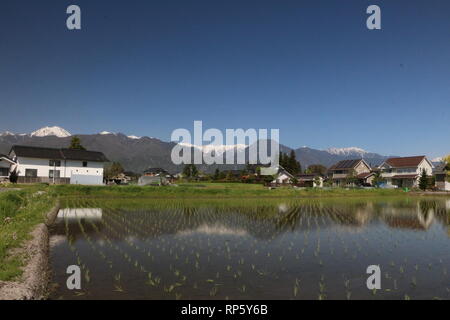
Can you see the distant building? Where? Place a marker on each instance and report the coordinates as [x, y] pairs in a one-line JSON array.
[[404, 172], [343, 171], [440, 174], [310, 180], [281, 176], [156, 176], [60, 166]]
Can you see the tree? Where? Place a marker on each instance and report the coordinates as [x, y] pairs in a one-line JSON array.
[[378, 179], [190, 171], [113, 170], [423, 180], [194, 171], [290, 163], [268, 179], [216, 175], [352, 179], [13, 176], [316, 169], [75, 143], [447, 166], [294, 165]]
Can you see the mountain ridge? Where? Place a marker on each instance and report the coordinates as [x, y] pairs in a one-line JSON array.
[[138, 153]]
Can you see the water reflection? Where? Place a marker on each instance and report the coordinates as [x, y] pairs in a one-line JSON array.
[[80, 213], [276, 250], [265, 222]]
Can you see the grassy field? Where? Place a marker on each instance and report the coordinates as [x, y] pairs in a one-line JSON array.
[[20, 212], [216, 191]]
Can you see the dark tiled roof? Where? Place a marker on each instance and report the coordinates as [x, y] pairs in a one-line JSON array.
[[84, 155], [346, 164], [364, 175], [58, 154], [405, 176], [155, 170], [405, 161], [307, 177]]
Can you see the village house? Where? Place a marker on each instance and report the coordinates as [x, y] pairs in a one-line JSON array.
[[281, 175], [155, 176], [158, 172], [440, 174], [310, 180], [57, 165], [405, 172], [347, 172]]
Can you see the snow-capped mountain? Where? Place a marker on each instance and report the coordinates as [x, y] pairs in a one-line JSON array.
[[6, 133], [347, 151], [134, 137], [51, 131], [218, 149]]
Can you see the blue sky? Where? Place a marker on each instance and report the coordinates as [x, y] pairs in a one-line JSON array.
[[310, 68]]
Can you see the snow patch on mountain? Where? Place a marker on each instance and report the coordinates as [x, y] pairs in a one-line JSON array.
[[219, 149], [105, 133], [6, 133], [347, 151], [51, 131], [134, 137], [438, 159]]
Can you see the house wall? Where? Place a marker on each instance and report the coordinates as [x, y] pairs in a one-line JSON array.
[[361, 168], [283, 178]]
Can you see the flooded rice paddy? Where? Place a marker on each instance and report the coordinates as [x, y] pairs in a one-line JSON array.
[[253, 249]]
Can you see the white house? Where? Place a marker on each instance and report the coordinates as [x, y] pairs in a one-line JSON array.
[[405, 172], [64, 166], [279, 173]]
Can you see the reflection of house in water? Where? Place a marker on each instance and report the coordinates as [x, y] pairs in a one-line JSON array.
[[419, 216], [80, 213]]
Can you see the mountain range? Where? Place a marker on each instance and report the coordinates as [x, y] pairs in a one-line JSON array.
[[138, 153]]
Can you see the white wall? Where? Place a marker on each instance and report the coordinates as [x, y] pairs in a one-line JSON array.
[[66, 169]]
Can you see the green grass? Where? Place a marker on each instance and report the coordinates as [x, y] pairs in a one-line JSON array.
[[20, 212], [215, 190]]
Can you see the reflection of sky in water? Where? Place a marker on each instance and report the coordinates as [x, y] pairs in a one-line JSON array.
[[216, 229], [264, 248]]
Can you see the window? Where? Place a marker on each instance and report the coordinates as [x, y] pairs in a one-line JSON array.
[[31, 173], [85, 164], [54, 173], [54, 163], [4, 172]]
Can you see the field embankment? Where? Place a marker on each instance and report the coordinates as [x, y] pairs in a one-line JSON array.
[[24, 242]]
